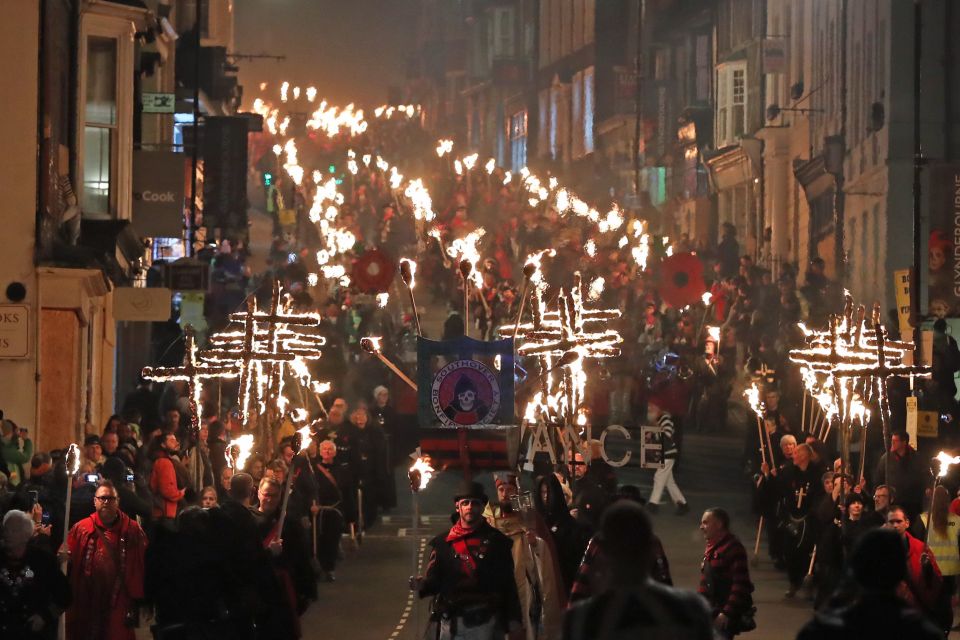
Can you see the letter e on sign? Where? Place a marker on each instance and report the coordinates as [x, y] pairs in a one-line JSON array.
[[14, 331]]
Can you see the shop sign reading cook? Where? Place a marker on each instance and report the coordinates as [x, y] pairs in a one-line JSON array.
[[14, 331]]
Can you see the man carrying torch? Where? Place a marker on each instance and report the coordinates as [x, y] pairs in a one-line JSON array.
[[470, 575]]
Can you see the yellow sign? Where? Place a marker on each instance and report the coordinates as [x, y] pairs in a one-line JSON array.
[[901, 285], [928, 425]]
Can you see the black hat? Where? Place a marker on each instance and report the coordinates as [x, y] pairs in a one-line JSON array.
[[464, 384], [91, 439], [470, 490]]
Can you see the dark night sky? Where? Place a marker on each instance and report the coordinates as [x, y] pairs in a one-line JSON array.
[[351, 50]]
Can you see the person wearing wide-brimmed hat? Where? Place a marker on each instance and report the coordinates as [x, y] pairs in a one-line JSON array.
[[470, 576]]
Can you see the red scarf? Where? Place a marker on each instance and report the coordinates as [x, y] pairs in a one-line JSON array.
[[467, 546]]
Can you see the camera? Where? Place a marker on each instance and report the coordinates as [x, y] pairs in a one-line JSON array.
[[92, 478]]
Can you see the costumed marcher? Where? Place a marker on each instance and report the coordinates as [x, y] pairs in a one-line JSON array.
[[536, 571], [797, 488], [663, 477], [106, 570], [471, 577], [570, 536], [332, 503], [288, 551]]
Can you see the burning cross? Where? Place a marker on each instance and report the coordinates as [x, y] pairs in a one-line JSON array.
[[193, 372], [564, 330], [268, 340]]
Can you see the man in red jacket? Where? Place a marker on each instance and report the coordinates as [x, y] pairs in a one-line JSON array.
[[106, 554], [921, 587], [163, 481]]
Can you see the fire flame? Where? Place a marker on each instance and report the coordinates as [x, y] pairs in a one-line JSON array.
[[243, 446], [753, 399], [946, 461], [425, 470]]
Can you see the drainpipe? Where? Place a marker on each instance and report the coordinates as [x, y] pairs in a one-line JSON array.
[[915, 296]]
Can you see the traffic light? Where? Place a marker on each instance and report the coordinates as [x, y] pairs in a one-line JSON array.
[[267, 178]]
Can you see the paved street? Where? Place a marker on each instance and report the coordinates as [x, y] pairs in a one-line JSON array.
[[370, 602]]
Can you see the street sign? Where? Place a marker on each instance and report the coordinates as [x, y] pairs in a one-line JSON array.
[[14, 331], [187, 276], [139, 304], [158, 187], [157, 102]]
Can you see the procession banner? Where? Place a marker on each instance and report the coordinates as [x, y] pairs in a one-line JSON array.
[[465, 402]]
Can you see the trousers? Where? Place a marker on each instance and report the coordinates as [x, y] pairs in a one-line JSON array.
[[663, 479], [483, 631]]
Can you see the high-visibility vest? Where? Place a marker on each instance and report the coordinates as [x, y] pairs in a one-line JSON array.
[[944, 548]]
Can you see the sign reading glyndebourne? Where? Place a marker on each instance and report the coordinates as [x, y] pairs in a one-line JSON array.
[[158, 185], [14, 331]]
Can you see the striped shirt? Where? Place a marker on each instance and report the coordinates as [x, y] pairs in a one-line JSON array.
[[725, 577], [667, 439]]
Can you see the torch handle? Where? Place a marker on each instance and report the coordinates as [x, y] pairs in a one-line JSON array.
[[523, 300], [286, 499], [763, 456], [396, 370], [416, 312], [66, 515]]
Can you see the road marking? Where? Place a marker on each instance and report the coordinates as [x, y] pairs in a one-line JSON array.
[[411, 602]]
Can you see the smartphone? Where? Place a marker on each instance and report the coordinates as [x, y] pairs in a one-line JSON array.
[[92, 477], [129, 477], [45, 518], [34, 497]]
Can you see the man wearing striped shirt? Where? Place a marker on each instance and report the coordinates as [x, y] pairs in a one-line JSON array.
[[663, 477], [725, 576]]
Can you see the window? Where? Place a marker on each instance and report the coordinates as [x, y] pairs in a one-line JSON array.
[[100, 126], [576, 113], [543, 126], [731, 102], [588, 110], [105, 116], [501, 35], [518, 141], [555, 97], [703, 69], [578, 27]]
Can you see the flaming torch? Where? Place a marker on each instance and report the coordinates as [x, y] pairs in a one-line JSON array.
[[408, 272], [946, 461], [238, 451], [371, 344], [466, 268], [753, 398], [72, 463], [299, 444], [419, 476]]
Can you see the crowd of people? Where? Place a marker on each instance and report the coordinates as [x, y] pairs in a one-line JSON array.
[[160, 520]]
